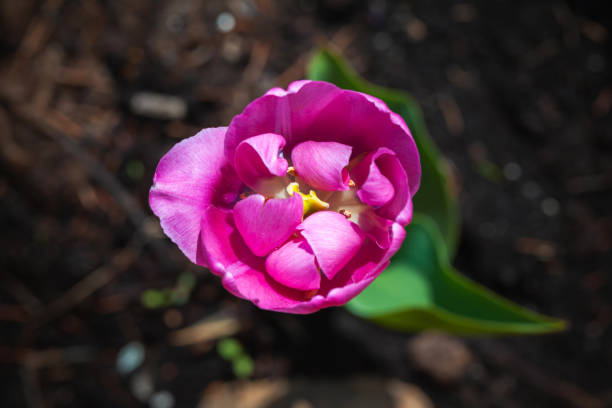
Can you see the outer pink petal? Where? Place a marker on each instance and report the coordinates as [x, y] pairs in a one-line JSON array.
[[265, 225], [249, 282], [405, 216], [257, 158], [333, 239], [286, 113], [252, 283], [190, 177], [369, 262], [312, 110], [293, 265], [221, 243], [322, 164]]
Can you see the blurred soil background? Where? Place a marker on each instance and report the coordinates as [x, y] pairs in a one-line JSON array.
[[98, 309]]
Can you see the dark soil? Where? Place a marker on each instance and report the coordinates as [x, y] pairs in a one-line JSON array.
[[517, 95]]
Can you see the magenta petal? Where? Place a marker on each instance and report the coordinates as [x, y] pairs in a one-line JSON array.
[[252, 283], [371, 170], [293, 265], [405, 216], [257, 158], [322, 164], [373, 187], [265, 225], [376, 227], [221, 242], [190, 177], [363, 122], [333, 239], [286, 113], [313, 110], [390, 166]]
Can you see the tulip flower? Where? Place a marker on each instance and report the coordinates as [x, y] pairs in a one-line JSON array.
[[300, 203]]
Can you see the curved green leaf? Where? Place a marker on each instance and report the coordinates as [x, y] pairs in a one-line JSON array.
[[421, 290], [434, 197]]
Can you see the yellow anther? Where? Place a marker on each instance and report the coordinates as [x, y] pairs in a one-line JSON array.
[[293, 188], [351, 183], [311, 202], [291, 171]]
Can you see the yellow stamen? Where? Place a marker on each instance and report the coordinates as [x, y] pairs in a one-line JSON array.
[[291, 171], [351, 183], [311, 202]]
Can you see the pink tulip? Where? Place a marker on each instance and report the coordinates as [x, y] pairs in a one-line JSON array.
[[300, 203]]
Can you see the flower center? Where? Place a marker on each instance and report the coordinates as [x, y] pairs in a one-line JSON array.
[[311, 202]]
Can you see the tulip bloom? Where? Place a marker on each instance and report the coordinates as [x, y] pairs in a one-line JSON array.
[[300, 203]]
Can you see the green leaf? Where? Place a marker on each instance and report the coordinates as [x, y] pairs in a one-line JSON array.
[[434, 197], [421, 290]]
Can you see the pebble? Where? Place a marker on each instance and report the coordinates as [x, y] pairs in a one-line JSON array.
[[550, 206], [512, 171], [142, 386], [130, 357], [158, 106], [225, 22], [531, 190], [162, 399], [444, 358]]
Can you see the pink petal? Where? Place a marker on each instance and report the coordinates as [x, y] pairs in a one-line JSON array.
[[221, 243], [362, 269], [265, 225], [373, 187], [252, 283], [383, 164], [322, 164], [366, 124], [286, 113], [257, 158], [392, 169], [405, 216], [293, 265], [333, 239], [365, 265], [249, 282], [312, 110], [376, 227], [190, 177]]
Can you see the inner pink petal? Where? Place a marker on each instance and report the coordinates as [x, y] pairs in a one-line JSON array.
[[373, 187], [266, 224], [323, 164], [333, 239], [257, 159], [376, 227], [293, 265], [381, 168], [393, 170]]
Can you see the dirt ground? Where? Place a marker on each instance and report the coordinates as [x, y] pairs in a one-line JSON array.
[[517, 95]]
